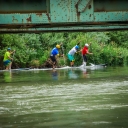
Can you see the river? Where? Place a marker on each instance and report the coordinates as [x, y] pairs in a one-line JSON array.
[[64, 98]]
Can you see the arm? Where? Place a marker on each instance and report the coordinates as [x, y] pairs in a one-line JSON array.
[[8, 56], [58, 55], [89, 53], [12, 52]]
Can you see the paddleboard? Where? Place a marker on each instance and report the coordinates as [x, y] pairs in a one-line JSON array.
[[92, 66]]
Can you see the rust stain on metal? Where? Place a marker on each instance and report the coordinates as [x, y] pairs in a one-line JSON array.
[[89, 7], [49, 18], [77, 12], [14, 20], [29, 19], [39, 14]]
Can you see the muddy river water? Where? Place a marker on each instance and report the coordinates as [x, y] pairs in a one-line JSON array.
[[64, 98]]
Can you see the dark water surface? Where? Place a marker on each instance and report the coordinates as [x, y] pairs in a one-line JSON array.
[[64, 98]]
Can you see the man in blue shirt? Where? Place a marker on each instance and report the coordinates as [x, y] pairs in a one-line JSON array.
[[54, 54]]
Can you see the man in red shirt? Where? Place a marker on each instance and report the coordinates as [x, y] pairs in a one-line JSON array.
[[85, 51]]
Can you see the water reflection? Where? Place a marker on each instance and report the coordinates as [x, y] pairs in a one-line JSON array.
[[97, 102], [72, 74], [7, 76], [85, 73], [54, 74]]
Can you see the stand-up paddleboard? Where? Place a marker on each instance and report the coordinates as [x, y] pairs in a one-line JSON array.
[[34, 69], [92, 66], [18, 69]]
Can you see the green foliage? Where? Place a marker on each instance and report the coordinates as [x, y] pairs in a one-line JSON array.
[[34, 49], [61, 61], [119, 37], [45, 56], [35, 63]]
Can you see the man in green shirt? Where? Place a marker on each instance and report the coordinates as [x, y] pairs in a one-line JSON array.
[[7, 59]]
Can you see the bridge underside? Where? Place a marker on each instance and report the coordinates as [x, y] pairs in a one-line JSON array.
[[62, 15]]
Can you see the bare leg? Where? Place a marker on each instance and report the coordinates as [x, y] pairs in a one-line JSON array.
[[7, 67], [71, 63], [84, 64], [54, 65], [10, 65]]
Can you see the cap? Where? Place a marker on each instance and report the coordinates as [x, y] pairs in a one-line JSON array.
[[77, 47], [86, 45], [57, 46], [9, 49]]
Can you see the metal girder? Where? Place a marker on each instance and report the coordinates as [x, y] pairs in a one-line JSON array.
[[65, 29], [48, 15]]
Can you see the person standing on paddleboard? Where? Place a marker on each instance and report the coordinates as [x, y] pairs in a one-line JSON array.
[[8, 59], [71, 55], [54, 55], [85, 51]]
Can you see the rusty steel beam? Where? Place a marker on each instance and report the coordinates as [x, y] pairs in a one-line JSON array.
[[64, 29], [42, 14]]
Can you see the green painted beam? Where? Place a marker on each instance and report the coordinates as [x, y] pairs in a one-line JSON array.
[[60, 13], [65, 29]]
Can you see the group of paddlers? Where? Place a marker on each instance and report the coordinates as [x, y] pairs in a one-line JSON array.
[[54, 54], [76, 49]]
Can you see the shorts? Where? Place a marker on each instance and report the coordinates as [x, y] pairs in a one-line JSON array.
[[6, 62], [71, 57], [53, 58]]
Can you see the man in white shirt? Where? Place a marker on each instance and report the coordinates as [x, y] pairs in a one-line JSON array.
[[71, 55]]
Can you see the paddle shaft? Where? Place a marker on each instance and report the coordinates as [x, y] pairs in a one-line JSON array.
[[63, 53]]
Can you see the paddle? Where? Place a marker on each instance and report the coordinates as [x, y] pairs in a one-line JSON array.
[[12, 57], [93, 56], [13, 54], [63, 52]]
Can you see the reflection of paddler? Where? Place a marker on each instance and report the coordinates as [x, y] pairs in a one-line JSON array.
[[85, 74], [72, 74], [8, 76], [54, 74]]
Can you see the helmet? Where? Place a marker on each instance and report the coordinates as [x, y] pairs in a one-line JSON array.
[[57, 46], [76, 47], [86, 45], [9, 49]]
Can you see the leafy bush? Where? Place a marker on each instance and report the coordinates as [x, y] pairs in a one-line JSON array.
[[34, 49], [34, 63]]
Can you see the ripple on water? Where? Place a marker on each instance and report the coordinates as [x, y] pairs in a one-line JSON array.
[[64, 97]]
